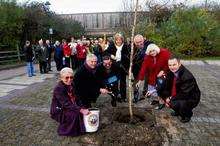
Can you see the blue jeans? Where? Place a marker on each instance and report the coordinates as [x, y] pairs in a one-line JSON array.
[[30, 69]]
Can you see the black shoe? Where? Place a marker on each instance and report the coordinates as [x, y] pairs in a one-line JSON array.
[[142, 98], [148, 96], [174, 114], [113, 103], [144, 93], [123, 100], [119, 100], [159, 107], [135, 100], [185, 119], [154, 102]]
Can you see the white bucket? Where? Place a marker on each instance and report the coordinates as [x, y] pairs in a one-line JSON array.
[[91, 121]]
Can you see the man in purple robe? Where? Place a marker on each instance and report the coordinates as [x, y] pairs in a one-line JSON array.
[[66, 108]]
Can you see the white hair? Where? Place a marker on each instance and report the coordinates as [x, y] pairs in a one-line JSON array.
[[57, 43], [40, 41], [66, 70], [90, 57], [152, 47], [138, 36]]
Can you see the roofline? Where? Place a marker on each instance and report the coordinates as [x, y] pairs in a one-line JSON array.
[[101, 13]]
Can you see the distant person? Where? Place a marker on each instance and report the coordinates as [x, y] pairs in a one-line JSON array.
[[73, 55], [50, 51], [66, 107], [42, 56], [66, 53], [81, 53], [181, 91], [87, 82], [29, 57], [58, 55], [97, 50]]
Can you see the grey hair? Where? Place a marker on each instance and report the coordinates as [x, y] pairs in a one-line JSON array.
[[152, 47], [90, 56], [66, 70], [138, 36], [40, 41]]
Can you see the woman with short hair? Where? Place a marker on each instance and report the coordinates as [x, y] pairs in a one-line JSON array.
[[155, 65], [66, 108], [120, 54]]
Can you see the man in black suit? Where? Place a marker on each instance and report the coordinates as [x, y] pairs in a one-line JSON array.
[[181, 92]]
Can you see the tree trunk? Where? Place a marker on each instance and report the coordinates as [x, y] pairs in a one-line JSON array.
[[130, 87]]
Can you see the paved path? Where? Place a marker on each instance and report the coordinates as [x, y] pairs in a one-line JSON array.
[[204, 128], [16, 78]]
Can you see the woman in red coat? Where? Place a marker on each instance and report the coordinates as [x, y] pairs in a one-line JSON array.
[[155, 65], [66, 53], [81, 53]]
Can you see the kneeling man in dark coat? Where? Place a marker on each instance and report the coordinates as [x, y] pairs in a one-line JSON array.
[[66, 108], [87, 82], [181, 91], [109, 73]]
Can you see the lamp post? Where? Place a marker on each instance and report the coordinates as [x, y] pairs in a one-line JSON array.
[[50, 33], [47, 4]]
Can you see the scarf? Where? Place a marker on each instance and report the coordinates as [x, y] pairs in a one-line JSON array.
[[118, 52], [70, 93]]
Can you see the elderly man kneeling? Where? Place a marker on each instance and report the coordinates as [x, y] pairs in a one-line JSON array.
[[66, 108]]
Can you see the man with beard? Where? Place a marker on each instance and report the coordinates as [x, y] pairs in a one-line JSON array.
[[109, 73]]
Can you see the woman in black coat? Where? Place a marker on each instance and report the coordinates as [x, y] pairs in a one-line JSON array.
[[120, 54], [66, 108], [181, 91]]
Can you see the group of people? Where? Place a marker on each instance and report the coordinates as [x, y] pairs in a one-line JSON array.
[[41, 52], [73, 53], [166, 81]]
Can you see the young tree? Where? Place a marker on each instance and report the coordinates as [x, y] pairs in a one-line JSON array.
[[130, 97]]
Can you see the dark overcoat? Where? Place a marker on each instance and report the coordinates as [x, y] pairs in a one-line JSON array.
[[187, 89], [87, 85], [125, 55]]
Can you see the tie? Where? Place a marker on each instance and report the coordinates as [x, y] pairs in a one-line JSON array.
[[173, 93]]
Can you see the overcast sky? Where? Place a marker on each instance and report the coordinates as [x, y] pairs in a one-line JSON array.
[[89, 6]]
